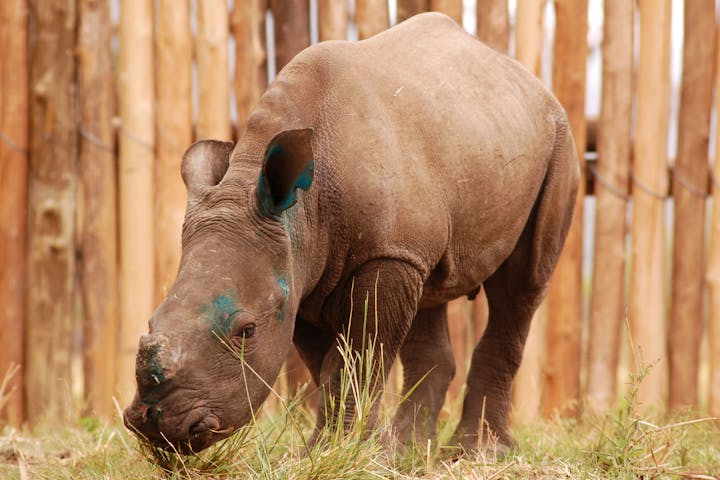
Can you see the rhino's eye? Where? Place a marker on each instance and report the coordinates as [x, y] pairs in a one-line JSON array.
[[247, 331]]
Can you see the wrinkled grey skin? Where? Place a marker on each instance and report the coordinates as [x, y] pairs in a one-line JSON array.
[[419, 161]]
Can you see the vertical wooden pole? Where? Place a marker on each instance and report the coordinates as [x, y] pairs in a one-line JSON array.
[[213, 70], [250, 81], [137, 142], [371, 17], [14, 123], [408, 8], [53, 182], [529, 33], [690, 181], [98, 222], [459, 324], [292, 29], [713, 264], [173, 87], [528, 384], [493, 24], [333, 19], [649, 180], [292, 34], [451, 8], [607, 304], [562, 382]]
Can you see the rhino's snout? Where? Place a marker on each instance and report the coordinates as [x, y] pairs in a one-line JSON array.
[[157, 361]]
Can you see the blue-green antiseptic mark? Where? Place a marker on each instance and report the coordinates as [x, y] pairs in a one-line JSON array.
[[154, 368], [282, 283], [271, 203], [219, 314]]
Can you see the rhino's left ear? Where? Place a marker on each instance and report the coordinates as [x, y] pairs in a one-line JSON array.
[[287, 166]]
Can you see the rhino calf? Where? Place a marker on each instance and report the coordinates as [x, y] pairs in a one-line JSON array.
[[419, 165]]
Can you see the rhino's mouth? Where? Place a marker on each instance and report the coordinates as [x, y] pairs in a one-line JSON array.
[[196, 430]]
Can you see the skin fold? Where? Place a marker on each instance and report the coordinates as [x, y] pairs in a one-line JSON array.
[[416, 166]]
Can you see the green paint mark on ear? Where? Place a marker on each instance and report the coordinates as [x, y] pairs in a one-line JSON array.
[[219, 314]]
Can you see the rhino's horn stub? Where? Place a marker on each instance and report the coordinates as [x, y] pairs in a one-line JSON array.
[[156, 361]]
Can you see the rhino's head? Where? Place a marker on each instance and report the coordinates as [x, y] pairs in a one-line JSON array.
[[218, 340]]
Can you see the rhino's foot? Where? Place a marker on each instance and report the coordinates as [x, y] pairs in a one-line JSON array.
[[491, 448]]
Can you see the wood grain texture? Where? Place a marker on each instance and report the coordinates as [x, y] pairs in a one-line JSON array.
[[647, 283], [451, 8], [371, 17], [213, 67], [292, 29], [250, 78], [713, 266], [136, 179], [173, 60], [607, 303], [14, 125], [529, 33], [51, 223], [564, 326], [98, 219], [408, 8], [528, 383], [493, 24], [690, 181], [333, 19]]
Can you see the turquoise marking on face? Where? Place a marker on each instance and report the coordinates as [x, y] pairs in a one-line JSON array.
[[282, 283], [219, 314]]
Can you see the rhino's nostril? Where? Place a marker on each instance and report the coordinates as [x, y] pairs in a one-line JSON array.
[[207, 424]]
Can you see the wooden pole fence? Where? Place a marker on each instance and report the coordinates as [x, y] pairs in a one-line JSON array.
[[647, 283], [14, 125], [607, 307], [690, 179], [136, 178], [51, 321], [564, 327], [98, 204]]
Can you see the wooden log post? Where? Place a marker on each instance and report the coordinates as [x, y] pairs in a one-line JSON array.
[[213, 66], [649, 180], [51, 224], [529, 33], [459, 313], [14, 123], [371, 17], [607, 304], [98, 219], [528, 384], [173, 60], [408, 8], [690, 179], [451, 8], [292, 34], [713, 266], [564, 327], [250, 79], [493, 24], [333, 19], [136, 201]]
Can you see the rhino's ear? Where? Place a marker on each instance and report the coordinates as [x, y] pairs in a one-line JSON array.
[[204, 164], [287, 166]]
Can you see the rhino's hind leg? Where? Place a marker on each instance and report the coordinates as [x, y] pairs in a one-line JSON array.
[[428, 368], [514, 292], [398, 286], [495, 360]]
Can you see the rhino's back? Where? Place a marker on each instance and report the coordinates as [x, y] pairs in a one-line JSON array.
[[437, 143]]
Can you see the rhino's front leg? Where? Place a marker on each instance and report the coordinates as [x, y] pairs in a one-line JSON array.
[[395, 287]]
